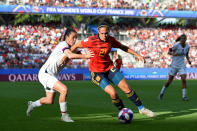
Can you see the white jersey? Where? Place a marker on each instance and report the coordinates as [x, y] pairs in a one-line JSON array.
[[52, 65], [179, 61]]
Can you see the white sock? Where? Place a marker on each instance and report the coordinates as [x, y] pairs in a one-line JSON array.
[[184, 91], [163, 90], [63, 107], [36, 103]]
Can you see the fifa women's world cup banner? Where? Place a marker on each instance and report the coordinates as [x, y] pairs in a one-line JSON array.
[[17, 75], [95, 11]]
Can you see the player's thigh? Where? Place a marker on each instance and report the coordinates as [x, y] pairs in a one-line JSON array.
[[100, 79], [60, 87], [170, 78], [115, 76], [48, 81]]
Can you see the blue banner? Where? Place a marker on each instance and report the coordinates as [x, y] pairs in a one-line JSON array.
[[154, 73], [84, 74], [96, 11]]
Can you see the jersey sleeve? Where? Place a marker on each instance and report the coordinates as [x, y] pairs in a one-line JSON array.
[[77, 51], [115, 43], [174, 47], [63, 46], [86, 43]]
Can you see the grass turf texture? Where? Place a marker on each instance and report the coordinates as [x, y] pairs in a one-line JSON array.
[[92, 109]]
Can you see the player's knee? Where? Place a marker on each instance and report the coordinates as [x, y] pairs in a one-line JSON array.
[[125, 87], [169, 81], [64, 91], [113, 95], [184, 80]]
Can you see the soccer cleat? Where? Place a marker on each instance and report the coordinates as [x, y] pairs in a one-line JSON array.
[[146, 112], [30, 108], [66, 118], [160, 96], [185, 99]]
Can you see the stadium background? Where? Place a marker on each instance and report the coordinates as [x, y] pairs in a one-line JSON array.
[[30, 29]]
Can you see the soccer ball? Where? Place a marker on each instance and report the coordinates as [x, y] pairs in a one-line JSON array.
[[125, 115]]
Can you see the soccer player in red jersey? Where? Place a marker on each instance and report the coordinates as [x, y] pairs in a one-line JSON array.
[[103, 71]]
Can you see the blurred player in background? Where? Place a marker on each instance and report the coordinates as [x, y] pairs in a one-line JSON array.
[[179, 51], [49, 72], [118, 62], [103, 71]]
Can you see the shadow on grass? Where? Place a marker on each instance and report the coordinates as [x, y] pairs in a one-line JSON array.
[[175, 114]]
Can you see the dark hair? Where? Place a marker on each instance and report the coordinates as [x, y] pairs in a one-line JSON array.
[[67, 32], [103, 24], [179, 38]]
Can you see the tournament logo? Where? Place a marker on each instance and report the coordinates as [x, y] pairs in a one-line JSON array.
[[22, 9], [35, 9]]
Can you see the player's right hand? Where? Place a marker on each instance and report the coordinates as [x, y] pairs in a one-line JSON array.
[[63, 60]]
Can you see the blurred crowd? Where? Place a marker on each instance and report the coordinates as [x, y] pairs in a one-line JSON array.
[[28, 46], [154, 44], [128, 4]]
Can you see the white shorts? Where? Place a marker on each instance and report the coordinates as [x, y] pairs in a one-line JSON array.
[[174, 71], [47, 80]]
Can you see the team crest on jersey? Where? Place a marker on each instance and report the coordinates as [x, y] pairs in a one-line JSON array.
[[98, 78]]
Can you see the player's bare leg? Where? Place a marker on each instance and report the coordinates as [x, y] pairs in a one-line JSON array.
[[163, 89], [114, 96], [134, 98], [184, 88], [42, 101], [62, 89]]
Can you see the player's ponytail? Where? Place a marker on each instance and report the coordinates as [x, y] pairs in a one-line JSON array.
[[179, 38], [67, 32]]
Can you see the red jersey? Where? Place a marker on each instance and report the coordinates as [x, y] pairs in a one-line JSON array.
[[101, 61]]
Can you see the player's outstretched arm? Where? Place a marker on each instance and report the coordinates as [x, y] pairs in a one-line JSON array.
[[72, 55], [130, 51], [75, 46]]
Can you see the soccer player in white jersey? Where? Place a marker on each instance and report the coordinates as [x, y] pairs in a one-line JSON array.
[[179, 51], [49, 71]]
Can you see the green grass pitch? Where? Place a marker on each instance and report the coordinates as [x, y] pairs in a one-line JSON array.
[[92, 109]]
